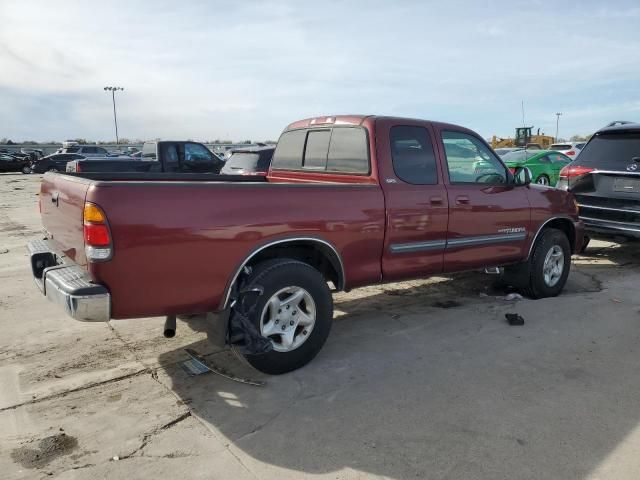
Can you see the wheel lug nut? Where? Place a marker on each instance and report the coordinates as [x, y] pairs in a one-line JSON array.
[[279, 311], [304, 332], [293, 312], [288, 306], [283, 327], [277, 321], [291, 323]]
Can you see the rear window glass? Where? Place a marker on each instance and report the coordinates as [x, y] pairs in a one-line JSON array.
[[348, 151], [519, 155], [315, 153], [341, 149], [560, 147], [611, 151], [288, 154], [248, 162]]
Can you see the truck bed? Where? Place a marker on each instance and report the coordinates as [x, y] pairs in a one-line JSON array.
[[198, 228]]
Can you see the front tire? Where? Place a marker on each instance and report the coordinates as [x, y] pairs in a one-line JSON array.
[[548, 265], [26, 169], [295, 311]]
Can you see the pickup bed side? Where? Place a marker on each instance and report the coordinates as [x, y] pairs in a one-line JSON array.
[[184, 263]]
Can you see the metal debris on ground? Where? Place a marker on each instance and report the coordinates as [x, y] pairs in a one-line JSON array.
[[514, 319], [202, 363], [513, 296]]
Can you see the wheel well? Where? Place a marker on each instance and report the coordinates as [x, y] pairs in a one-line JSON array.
[[319, 255], [565, 226]]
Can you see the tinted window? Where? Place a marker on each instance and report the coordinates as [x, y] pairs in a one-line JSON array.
[[611, 151], [72, 149], [348, 151], [100, 150], [89, 150], [413, 156], [288, 154], [560, 147], [194, 152], [248, 162], [315, 153], [470, 161], [544, 159]]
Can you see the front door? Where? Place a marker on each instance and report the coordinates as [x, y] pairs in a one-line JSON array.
[[488, 215], [415, 198]]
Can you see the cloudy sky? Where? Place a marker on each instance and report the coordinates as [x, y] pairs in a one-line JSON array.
[[243, 69]]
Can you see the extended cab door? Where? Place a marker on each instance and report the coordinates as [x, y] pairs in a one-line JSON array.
[[415, 199], [488, 215]]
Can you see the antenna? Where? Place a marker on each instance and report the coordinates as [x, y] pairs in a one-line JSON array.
[[523, 124]]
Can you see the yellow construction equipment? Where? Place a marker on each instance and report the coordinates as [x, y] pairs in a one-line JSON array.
[[523, 139]]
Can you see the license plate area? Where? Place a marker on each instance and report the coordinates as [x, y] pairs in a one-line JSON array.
[[628, 185]]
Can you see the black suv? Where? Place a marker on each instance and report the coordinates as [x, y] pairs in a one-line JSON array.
[[605, 179]]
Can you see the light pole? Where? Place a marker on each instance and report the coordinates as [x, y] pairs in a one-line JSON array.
[[557, 123], [113, 98]]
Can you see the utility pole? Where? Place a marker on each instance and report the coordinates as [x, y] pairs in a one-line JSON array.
[[113, 98], [557, 123]]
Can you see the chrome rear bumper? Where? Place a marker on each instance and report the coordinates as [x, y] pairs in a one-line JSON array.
[[68, 285]]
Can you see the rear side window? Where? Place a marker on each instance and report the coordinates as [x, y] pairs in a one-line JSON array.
[[611, 151], [72, 149], [339, 150], [315, 153], [414, 160]]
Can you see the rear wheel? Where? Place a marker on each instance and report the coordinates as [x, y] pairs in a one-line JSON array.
[[543, 180], [26, 169], [53, 169], [295, 312]]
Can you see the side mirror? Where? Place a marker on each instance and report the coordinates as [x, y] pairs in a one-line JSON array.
[[522, 176]]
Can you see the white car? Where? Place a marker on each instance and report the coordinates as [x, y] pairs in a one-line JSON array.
[[570, 149]]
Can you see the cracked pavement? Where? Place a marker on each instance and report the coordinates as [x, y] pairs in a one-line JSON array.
[[421, 379]]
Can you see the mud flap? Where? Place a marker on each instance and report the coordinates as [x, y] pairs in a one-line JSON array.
[[242, 333]]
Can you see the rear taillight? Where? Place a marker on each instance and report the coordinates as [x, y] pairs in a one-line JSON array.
[[571, 171], [570, 153], [77, 169], [97, 236]]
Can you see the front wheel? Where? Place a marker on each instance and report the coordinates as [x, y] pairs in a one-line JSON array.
[[26, 169], [295, 312], [548, 265]]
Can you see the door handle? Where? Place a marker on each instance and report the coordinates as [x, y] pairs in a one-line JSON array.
[[435, 200], [462, 200]]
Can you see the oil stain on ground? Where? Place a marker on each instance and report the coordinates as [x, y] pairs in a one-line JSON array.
[[48, 449]]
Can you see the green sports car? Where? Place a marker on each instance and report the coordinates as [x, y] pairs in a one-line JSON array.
[[544, 165]]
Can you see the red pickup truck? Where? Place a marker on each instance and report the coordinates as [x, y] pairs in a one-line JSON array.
[[349, 201]]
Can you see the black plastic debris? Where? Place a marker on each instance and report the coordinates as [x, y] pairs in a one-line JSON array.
[[514, 319], [243, 334]]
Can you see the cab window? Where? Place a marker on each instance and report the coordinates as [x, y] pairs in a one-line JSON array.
[[469, 160], [414, 160], [194, 152]]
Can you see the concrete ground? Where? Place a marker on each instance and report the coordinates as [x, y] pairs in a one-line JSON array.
[[418, 380]]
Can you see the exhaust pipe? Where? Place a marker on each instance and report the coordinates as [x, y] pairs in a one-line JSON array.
[[170, 326]]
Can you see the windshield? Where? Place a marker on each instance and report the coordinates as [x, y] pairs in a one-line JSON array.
[[611, 151]]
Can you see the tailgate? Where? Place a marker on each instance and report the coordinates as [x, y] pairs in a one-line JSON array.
[[610, 196], [61, 205]]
